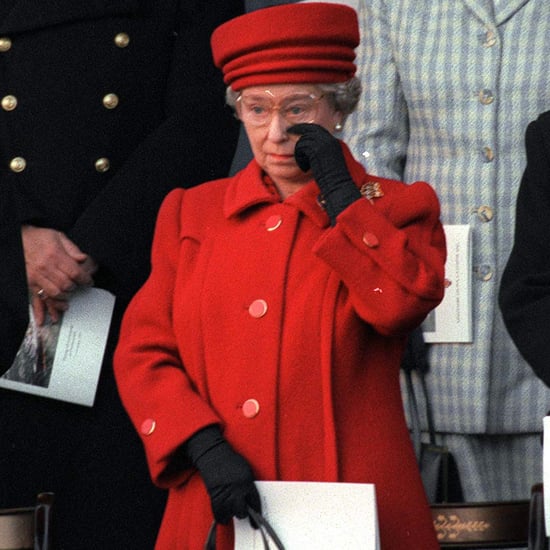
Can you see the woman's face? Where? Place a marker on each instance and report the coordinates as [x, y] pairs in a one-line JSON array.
[[267, 112]]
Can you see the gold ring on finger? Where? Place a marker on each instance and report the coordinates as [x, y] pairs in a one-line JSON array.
[[42, 294]]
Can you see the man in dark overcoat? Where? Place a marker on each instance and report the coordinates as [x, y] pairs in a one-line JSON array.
[[105, 106]]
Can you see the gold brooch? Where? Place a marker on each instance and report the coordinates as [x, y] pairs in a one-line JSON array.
[[371, 190]]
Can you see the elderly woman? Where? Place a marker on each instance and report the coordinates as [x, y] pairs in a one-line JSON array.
[[266, 343]]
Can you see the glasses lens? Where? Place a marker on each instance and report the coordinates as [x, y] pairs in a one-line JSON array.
[[294, 110], [256, 111], [298, 110]]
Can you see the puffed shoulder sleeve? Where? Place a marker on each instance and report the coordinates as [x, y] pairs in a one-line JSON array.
[[390, 254], [151, 378]]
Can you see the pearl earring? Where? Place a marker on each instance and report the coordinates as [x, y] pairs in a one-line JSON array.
[[338, 127]]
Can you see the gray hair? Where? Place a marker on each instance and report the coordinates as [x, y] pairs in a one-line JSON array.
[[342, 96]]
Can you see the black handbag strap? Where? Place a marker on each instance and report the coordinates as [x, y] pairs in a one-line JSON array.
[[414, 411], [414, 415], [416, 359], [267, 532], [429, 411]]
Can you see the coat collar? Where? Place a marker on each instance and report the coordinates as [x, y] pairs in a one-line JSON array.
[[485, 10], [28, 15], [247, 189]]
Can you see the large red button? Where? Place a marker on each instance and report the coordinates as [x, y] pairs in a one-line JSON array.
[[258, 308], [371, 240], [251, 408], [273, 222], [148, 426]]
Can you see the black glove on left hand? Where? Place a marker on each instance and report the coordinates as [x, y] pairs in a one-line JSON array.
[[319, 150]]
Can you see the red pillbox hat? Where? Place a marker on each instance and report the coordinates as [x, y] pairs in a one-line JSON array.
[[292, 43]]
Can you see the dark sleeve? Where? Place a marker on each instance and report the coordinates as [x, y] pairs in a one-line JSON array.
[[13, 299], [195, 143], [525, 287]]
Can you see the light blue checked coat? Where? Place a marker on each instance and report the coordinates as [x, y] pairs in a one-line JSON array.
[[449, 88]]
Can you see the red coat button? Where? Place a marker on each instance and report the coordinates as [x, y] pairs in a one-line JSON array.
[[251, 408], [371, 240], [273, 222], [258, 308], [148, 426]]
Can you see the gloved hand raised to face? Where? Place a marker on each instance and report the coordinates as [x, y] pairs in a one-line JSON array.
[[318, 150], [227, 475]]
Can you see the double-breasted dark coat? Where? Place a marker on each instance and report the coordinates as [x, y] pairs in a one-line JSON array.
[[105, 106]]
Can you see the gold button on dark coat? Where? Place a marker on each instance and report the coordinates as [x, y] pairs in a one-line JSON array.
[[9, 102], [110, 101], [5, 44], [18, 164], [122, 40], [102, 165]]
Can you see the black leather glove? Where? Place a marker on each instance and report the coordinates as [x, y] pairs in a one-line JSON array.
[[226, 474], [319, 150]]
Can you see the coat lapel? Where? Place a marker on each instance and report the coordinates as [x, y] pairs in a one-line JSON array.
[[508, 9], [27, 15]]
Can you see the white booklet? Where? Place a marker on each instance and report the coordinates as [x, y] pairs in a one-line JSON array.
[[63, 360], [451, 320], [316, 515], [546, 470]]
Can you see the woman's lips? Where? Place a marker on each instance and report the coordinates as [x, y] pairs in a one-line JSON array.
[[281, 157]]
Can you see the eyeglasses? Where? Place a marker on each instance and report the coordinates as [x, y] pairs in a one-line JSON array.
[[258, 111]]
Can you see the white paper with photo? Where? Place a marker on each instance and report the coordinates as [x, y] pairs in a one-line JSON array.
[[451, 320], [63, 360], [316, 515]]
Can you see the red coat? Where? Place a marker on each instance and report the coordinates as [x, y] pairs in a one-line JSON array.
[[261, 317]]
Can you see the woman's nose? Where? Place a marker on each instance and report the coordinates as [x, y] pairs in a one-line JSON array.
[[277, 127]]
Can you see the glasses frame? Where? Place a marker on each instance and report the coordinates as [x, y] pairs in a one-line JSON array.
[[245, 115]]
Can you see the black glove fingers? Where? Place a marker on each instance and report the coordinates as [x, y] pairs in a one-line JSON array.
[[228, 502], [227, 476], [317, 149], [253, 500], [240, 505], [220, 500]]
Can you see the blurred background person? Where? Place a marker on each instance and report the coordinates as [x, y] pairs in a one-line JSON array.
[[449, 88], [525, 286]]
